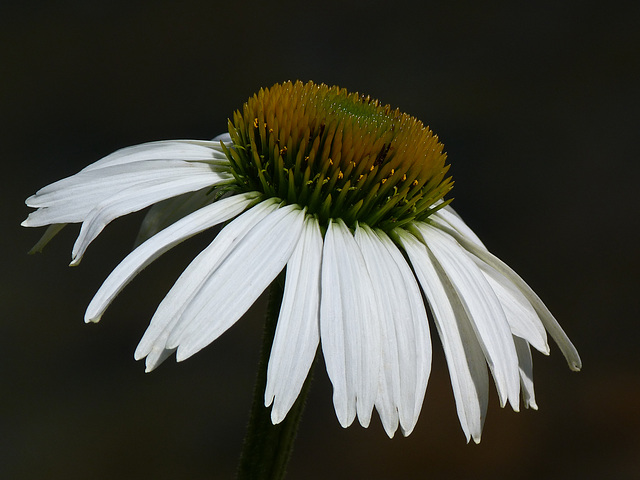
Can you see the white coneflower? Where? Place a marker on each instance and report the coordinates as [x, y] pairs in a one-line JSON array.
[[348, 196]]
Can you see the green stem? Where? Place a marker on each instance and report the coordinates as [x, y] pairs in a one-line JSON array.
[[267, 447]]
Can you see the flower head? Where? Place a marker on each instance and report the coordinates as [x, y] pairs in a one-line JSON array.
[[347, 195]]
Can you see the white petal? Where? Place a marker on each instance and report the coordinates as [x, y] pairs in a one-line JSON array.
[[483, 309], [128, 201], [186, 150], [553, 327], [297, 331], [166, 212], [388, 398], [451, 218], [238, 281], [88, 183], [168, 238], [526, 373], [170, 309], [406, 344], [348, 326], [523, 319], [466, 360], [70, 200]]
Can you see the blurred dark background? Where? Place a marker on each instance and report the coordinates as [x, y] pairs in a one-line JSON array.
[[537, 104]]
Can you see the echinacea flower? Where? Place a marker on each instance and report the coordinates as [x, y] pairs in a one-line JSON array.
[[347, 195]]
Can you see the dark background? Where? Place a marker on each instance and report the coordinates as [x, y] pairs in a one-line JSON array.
[[536, 103]]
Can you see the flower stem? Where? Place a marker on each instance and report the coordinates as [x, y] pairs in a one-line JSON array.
[[267, 447]]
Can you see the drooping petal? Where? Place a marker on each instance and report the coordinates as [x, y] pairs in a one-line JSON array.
[[483, 309], [166, 212], [449, 216], [548, 320], [526, 373], [466, 360], [238, 281], [160, 243], [388, 397], [522, 318], [183, 150], [71, 199], [189, 283], [87, 185], [349, 326], [298, 329], [406, 343], [128, 201]]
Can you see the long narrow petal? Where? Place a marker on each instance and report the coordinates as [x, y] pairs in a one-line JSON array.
[[526, 373], [166, 212], [89, 184], [128, 201], [522, 318], [406, 342], [450, 217], [483, 309], [413, 333], [70, 200], [187, 150], [298, 329], [466, 360], [349, 326], [548, 320], [388, 398], [238, 281], [168, 313], [153, 248]]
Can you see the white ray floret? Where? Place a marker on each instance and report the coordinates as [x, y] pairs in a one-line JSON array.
[[349, 326], [232, 287], [483, 310], [297, 332], [169, 312], [466, 360], [406, 343], [546, 317], [160, 243]]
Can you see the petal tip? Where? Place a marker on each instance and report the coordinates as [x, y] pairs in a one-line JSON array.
[[93, 319], [75, 261]]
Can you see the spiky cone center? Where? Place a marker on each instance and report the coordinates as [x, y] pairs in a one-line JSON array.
[[339, 154]]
